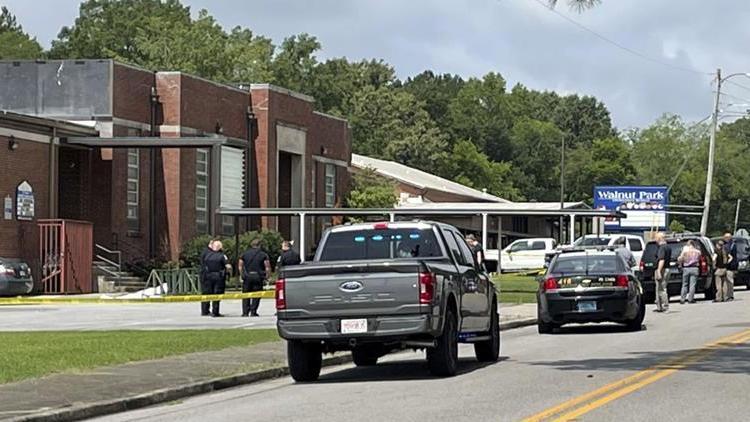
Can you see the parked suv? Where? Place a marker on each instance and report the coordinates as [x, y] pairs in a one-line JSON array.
[[675, 243]]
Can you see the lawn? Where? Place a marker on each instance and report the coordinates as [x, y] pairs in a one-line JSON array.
[[35, 354], [517, 288]]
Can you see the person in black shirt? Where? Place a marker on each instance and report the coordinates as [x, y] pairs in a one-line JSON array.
[[722, 260], [476, 249], [661, 274], [215, 269], [255, 266], [205, 289], [288, 255], [732, 265]]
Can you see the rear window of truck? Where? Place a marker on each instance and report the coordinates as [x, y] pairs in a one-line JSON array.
[[391, 243]]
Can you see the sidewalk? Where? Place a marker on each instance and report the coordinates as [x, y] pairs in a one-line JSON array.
[[119, 388]]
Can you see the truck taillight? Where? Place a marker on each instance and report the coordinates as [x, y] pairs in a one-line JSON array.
[[621, 280], [550, 283], [280, 294], [426, 288], [703, 265]]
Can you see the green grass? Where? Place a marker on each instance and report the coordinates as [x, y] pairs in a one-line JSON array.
[[35, 354], [517, 288]]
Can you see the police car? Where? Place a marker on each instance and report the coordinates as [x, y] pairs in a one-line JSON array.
[[585, 285]]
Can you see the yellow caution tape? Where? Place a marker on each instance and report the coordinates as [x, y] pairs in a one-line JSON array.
[[41, 300]]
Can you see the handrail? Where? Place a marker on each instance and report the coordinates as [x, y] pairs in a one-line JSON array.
[[116, 264]]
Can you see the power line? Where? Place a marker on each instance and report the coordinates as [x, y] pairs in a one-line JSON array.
[[618, 45], [688, 154], [734, 96], [737, 85]]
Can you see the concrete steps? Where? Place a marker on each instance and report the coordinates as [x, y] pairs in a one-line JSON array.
[[113, 281]]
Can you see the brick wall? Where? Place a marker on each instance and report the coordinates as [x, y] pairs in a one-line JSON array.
[[19, 239]]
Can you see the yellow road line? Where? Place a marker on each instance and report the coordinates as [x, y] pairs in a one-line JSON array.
[[36, 300], [619, 388]]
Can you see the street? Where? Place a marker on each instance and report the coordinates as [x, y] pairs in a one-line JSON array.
[[593, 372]]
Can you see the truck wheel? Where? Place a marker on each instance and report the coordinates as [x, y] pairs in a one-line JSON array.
[[544, 327], [364, 357], [489, 350], [443, 359], [636, 324], [305, 360]]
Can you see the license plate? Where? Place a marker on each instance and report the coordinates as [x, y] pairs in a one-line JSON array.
[[353, 326], [586, 306]]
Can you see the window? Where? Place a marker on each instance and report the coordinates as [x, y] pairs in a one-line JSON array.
[[133, 189], [635, 245], [465, 251], [232, 184], [201, 191], [330, 185], [519, 246], [453, 246], [388, 244], [538, 245]]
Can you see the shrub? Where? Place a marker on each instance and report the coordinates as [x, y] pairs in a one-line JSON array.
[[270, 241]]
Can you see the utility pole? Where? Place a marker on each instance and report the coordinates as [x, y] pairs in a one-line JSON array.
[[562, 187], [737, 215], [711, 148]]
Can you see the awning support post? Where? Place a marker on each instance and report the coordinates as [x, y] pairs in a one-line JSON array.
[[499, 243], [572, 228], [484, 232], [302, 250]]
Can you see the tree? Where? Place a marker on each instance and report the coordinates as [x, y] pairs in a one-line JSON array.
[[14, 43], [391, 124], [480, 114], [578, 5], [436, 92], [251, 57], [110, 28], [469, 166], [535, 147], [607, 162], [370, 190], [336, 81], [295, 63]]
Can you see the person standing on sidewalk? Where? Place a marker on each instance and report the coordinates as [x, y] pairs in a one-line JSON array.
[[720, 276], [661, 275], [732, 265], [216, 267], [689, 259], [255, 266], [288, 255], [205, 290], [621, 248]]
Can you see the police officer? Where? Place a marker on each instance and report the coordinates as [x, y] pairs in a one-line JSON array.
[[288, 255], [205, 306], [215, 269], [255, 266]]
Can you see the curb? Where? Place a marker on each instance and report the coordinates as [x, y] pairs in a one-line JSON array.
[[108, 407]]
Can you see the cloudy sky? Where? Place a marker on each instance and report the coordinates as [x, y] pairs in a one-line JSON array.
[[682, 42]]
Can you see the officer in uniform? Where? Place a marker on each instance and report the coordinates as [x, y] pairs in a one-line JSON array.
[[205, 306], [288, 255], [215, 269], [255, 266]]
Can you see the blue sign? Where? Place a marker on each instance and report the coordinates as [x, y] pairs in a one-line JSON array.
[[645, 207]]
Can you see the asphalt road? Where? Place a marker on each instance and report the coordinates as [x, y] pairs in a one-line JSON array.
[[675, 370]]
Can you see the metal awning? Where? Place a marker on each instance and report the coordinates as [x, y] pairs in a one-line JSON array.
[[421, 211], [147, 142], [484, 211]]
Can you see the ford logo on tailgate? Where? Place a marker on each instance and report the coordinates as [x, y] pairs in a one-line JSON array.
[[351, 286]]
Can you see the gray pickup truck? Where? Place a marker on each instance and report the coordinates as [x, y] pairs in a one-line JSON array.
[[375, 288]]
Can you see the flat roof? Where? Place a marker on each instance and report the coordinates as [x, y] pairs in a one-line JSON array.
[[496, 206], [458, 209], [420, 179], [25, 122], [147, 142]]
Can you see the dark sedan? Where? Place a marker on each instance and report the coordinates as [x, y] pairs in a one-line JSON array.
[[589, 286], [15, 278]]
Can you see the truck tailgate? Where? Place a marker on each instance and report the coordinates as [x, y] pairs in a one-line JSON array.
[[351, 289]]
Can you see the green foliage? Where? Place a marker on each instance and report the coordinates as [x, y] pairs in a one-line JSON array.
[[295, 63], [436, 92], [192, 249], [370, 190], [675, 226], [536, 159], [469, 166], [14, 43]]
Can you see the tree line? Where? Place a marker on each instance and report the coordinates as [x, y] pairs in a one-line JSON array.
[[477, 131]]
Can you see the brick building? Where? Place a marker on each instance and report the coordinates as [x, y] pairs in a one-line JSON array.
[[206, 145]]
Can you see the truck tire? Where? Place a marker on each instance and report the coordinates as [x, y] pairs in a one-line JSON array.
[[364, 357], [443, 359], [305, 360], [544, 327], [489, 350]]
